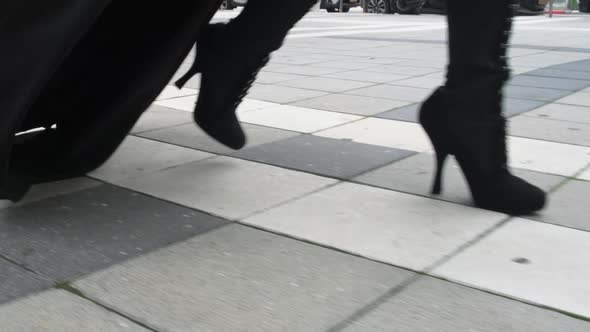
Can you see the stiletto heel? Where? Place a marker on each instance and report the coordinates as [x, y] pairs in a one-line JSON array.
[[194, 70], [441, 157]]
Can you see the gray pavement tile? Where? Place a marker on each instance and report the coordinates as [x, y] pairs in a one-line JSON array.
[[550, 130], [67, 236], [193, 83], [58, 310], [420, 82], [18, 282], [298, 119], [228, 187], [368, 76], [528, 260], [568, 206], [138, 156], [549, 82], [325, 84], [344, 103], [533, 93], [158, 117], [293, 60], [547, 157], [585, 175], [240, 279], [402, 93], [347, 65], [513, 106], [562, 112], [303, 70], [436, 63], [394, 134], [407, 113], [51, 189], [281, 94], [582, 65], [403, 70], [193, 137], [434, 305], [548, 72], [323, 156], [415, 174], [384, 225], [579, 98], [267, 77], [171, 92]]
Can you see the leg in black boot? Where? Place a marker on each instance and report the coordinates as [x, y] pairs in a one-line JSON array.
[[464, 117], [229, 57]]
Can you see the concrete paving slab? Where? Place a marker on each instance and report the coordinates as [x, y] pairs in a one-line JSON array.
[[394, 134], [325, 84], [18, 282], [159, 117], [227, 187], [192, 137], [568, 206], [71, 235], [400, 229], [58, 310], [299, 119], [550, 130], [535, 262], [540, 156], [139, 156], [323, 156], [579, 98], [562, 112], [352, 104], [435, 305], [240, 279]]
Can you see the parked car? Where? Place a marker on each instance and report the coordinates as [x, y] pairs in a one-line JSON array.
[[525, 7], [395, 6], [531, 7], [333, 6], [584, 6], [232, 4]]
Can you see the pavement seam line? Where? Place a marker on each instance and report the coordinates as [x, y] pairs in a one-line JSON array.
[[66, 286], [396, 290], [362, 312], [25, 267]]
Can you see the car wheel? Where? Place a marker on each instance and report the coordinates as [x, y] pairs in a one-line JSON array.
[[225, 5], [378, 7], [409, 6], [345, 9], [437, 4], [331, 10]]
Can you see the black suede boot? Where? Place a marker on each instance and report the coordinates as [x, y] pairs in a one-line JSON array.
[[464, 117], [229, 56]]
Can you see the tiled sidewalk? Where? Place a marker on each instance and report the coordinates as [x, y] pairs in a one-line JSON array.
[[324, 221]]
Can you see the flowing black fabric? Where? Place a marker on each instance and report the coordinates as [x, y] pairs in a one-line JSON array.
[[87, 68]]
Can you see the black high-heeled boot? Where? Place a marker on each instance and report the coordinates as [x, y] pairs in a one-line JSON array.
[[464, 117], [227, 75], [229, 56]]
